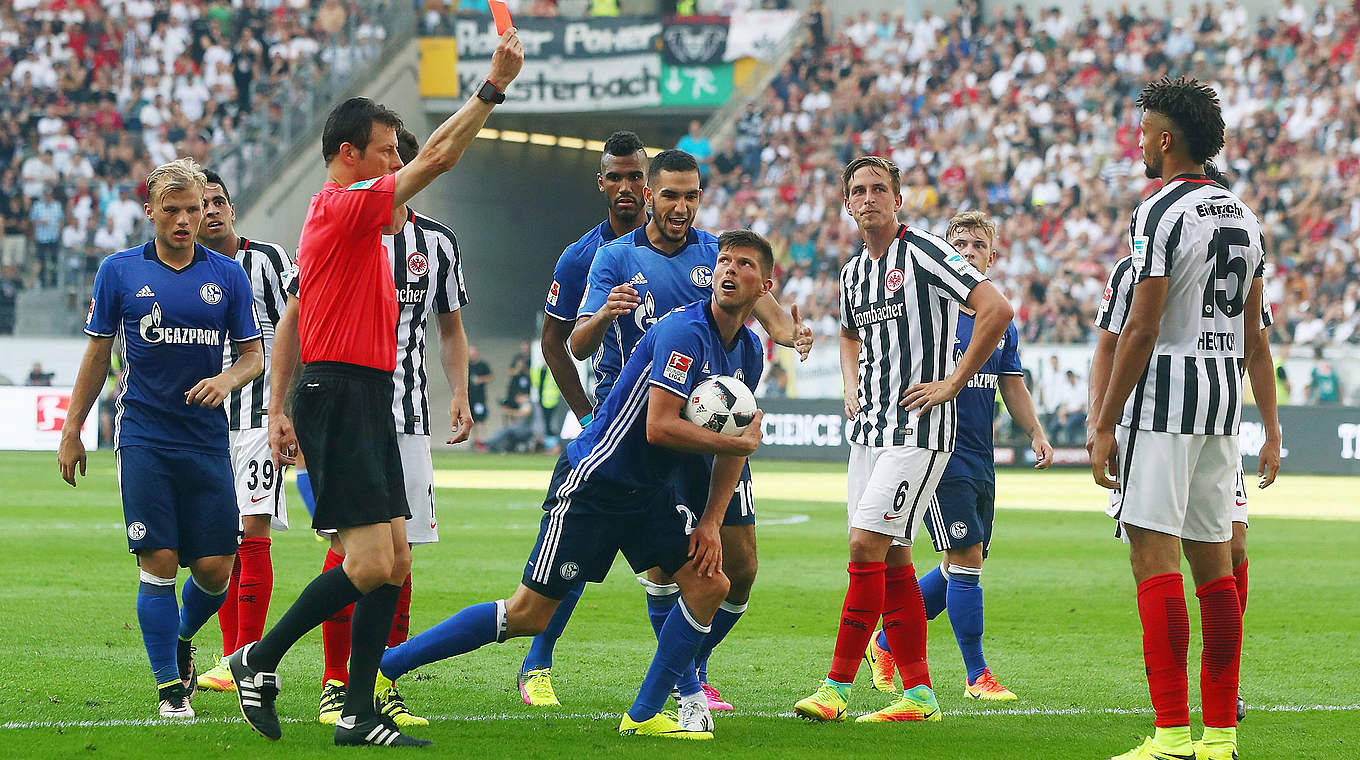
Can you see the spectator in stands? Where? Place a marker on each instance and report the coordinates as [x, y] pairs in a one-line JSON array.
[[479, 377], [1069, 422], [695, 144], [47, 216], [36, 375], [1324, 386]]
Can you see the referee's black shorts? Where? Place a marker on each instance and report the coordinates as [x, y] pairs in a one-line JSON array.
[[343, 417]]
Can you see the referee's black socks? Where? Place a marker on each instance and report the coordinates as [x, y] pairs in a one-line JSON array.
[[369, 626], [326, 595]]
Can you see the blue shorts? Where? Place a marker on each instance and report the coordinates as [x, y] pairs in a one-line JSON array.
[[181, 500], [585, 524], [961, 514], [691, 488]]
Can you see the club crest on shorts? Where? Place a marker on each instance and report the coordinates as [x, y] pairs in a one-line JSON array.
[[893, 281], [958, 530], [211, 293], [136, 531], [569, 570], [417, 264], [701, 276]]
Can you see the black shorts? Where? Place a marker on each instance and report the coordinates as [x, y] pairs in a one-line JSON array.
[[691, 489], [343, 416], [961, 514], [586, 524], [479, 413]]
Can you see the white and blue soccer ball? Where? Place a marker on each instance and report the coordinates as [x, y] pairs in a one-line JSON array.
[[722, 404]]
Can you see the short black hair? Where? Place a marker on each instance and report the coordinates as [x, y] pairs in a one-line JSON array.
[[1193, 108], [216, 179], [752, 240], [407, 145], [352, 122], [622, 143], [672, 161]]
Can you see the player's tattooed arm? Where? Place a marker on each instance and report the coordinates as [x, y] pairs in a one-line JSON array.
[[850, 346], [94, 371], [1131, 356], [666, 426], [590, 329], [212, 391], [1021, 406], [784, 326]]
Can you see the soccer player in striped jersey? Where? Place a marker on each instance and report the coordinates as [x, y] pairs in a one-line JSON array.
[[900, 300], [1175, 393], [959, 518], [259, 484], [1114, 309], [428, 271], [622, 177], [615, 489]]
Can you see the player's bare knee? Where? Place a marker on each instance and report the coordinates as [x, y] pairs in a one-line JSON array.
[[1239, 544], [868, 547], [162, 563], [213, 573], [401, 565], [368, 570], [659, 577], [255, 526], [741, 575], [968, 556], [528, 612]]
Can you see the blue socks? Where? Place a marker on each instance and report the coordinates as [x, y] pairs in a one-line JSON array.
[[675, 647], [304, 486], [199, 605], [473, 627], [723, 620], [965, 616], [661, 602], [158, 617], [541, 648], [933, 586]]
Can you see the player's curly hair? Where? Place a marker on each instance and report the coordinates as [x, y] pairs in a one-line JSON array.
[[1194, 109], [622, 143], [1217, 175]]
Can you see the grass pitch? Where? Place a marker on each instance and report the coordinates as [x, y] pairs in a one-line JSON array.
[[1062, 630]]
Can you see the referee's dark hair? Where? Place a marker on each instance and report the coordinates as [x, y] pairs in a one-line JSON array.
[[752, 240], [216, 179], [1193, 109], [672, 161], [352, 122], [877, 162], [407, 145], [622, 143]]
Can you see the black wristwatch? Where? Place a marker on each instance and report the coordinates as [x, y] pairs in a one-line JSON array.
[[490, 93]]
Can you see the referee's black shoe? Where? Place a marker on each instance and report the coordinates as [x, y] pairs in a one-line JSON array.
[[372, 730], [256, 691]]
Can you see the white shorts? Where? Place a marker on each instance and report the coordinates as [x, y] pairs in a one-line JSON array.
[[259, 485], [890, 487], [1179, 484], [418, 470]]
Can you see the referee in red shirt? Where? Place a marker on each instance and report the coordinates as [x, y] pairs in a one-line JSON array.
[[343, 407]]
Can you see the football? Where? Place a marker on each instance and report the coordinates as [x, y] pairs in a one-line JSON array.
[[722, 404]]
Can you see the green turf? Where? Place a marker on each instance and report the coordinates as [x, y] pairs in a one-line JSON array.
[[1062, 632]]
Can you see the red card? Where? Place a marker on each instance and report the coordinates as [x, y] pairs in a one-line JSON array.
[[501, 12]]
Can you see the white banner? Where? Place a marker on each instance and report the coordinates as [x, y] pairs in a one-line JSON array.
[[567, 86], [757, 34], [31, 418]]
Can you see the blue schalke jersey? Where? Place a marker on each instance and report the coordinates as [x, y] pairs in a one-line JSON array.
[[664, 281], [174, 325], [974, 457], [568, 287], [678, 353]]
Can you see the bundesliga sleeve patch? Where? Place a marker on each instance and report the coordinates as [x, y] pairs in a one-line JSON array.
[[677, 367], [553, 292], [363, 184]]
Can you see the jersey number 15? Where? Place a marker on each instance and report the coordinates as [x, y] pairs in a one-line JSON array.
[[1228, 298]]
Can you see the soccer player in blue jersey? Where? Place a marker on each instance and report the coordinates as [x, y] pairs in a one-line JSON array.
[[959, 518], [633, 282], [173, 304], [614, 492], [622, 177]]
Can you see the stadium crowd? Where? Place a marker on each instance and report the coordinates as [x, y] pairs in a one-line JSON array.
[[93, 93], [1029, 117]]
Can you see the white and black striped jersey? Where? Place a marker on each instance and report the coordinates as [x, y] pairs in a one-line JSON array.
[[428, 271], [1208, 244], [904, 305], [1114, 305], [266, 265]]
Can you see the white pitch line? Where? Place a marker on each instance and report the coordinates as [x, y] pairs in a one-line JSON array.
[[1029, 711]]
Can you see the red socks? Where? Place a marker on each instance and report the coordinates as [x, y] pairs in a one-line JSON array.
[[1221, 624], [335, 633], [904, 623], [859, 615], [1240, 580], [226, 614], [1166, 637], [256, 586], [401, 622]]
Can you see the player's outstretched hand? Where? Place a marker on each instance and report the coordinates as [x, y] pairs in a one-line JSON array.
[[1043, 453], [1103, 462], [507, 60], [802, 336], [705, 549], [622, 299], [923, 396], [70, 456], [210, 391], [750, 438], [460, 417], [1269, 466], [282, 440]]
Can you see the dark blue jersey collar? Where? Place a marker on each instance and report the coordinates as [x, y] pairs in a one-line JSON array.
[[640, 240], [149, 253]]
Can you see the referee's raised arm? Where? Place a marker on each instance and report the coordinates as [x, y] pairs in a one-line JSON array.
[[450, 139]]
